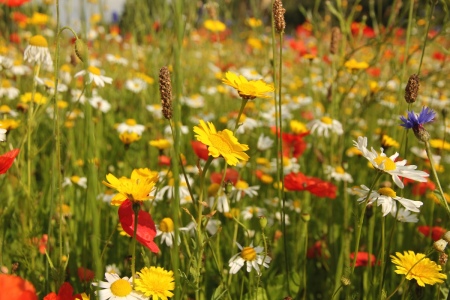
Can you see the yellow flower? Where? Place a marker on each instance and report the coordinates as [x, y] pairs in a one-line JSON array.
[[298, 127], [129, 137], [136, 188], [253, 22], [9, 124], [38, 98], [248, 89], [38, 19], [156, 283], [254, 43], [161, 144], [214, 25], [221, 143], [352, 64], [418, 267], [439, 144]]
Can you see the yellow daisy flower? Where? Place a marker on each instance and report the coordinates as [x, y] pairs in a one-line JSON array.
[[418, 267], [248, 89], [221, 143], [214, 26], [136, 188], [352, 65], [155, 282]]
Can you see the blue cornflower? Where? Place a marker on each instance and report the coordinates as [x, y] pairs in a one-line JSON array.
[[416, 122], [413, 121]]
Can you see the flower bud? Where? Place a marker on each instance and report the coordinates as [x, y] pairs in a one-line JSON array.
[[440, 245], [446, 236], [262, 222], [305, 217]]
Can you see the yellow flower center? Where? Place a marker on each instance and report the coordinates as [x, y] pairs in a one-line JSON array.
[[6, 83], [241, 185], [389, 165], [248, 254], [339, 170], [121, 288], [387, 192], [38, 41], [5, 109], [326, 120], [166, 225], [220, 143], [75, 179], [94, 70], [130, 122]]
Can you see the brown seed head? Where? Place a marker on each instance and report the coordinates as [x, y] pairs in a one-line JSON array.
[[412, 88], [165, 89], [335, 39], [278, 16]]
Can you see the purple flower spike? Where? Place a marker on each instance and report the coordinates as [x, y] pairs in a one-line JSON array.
[[416, 121]]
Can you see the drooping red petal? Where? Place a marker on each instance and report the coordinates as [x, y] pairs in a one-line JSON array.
[[296, 181], [7, 159], [200, 149], [232, 175], [65, 291], [146, 230], [362, 259]]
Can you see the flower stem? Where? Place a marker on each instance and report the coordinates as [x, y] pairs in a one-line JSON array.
[[241, 110], [360, 223], [433, 5], [433, 170]]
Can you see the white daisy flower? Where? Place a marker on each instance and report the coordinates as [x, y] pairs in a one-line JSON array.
[[3, 134], [388, 165], [242, 188], [112, 269], [194, 101], [116, 59], [155, 110], [95, 74], [385, 197], [116, 288], [136, 85], [212, 226], [167, 231], [251, 211], [130, 126], [75, 180], [169, 190], [100, 103], [338, 173], [222, 203], [251, 256], [6, 110], [264, 143], [37, 51], [405, 216], [7, 90], [324, 125]]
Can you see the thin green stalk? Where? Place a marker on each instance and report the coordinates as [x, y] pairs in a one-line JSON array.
[[361, 220], [433, 171], [241, 110], [433, 5]]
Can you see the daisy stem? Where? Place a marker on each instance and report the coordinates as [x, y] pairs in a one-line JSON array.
[[241, 110], [136, 208], [360, 223], [433, 170]]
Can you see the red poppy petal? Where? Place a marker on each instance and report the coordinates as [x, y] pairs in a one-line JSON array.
[[146, 230], [65, 291], [7, 159]]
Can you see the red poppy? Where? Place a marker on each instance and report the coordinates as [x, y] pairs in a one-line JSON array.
[[65, 293], [15, 287], [304, 30], [85, 274], [319, 249], [14, 38], [7, 159], [163, 160], [14, 3], [293, 144], [375, 72], [362, 259], [200, 149], [436, 231], [146, 229], [230, 176], [419, 189], [439, 56], [316, 186]]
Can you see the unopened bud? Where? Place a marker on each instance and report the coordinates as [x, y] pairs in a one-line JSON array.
[[440, 245], [345, 280], [81, 50], [421, 133], [262, 222], [443, 258], [446, 236], [305, 217]]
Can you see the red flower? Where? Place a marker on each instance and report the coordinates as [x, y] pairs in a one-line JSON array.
[[316, 186], [439, 56], [362, 259], [7, 159], [293, 144], [436, 231], [65, 293], [85, 274], [419, 189], [146, 229], [367, 31], [14, 3], [319, 249], [200, 149], [230, 176], [15, 287], [163, 160]]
